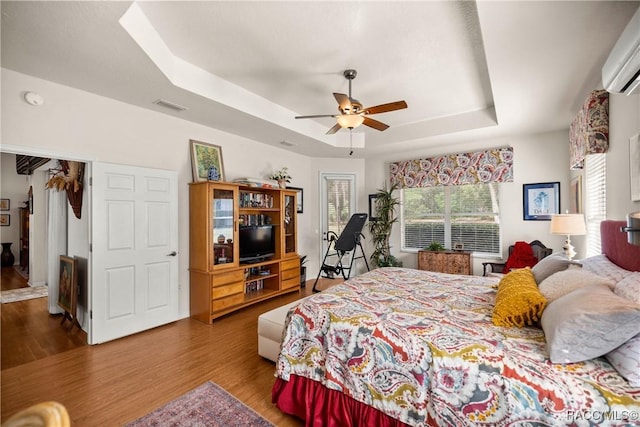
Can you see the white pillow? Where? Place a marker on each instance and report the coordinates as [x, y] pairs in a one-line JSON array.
[[629, 287], [563, 282], [626, 360], [587, 323], [602, 266]]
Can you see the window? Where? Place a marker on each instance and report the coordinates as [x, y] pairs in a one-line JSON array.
[[595, 166], [467, 214]]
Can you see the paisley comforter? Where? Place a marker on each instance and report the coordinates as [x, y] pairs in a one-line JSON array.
[[421, 348]]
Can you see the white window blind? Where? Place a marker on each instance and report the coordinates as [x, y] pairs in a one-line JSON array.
[[467, 214], [595, 199]]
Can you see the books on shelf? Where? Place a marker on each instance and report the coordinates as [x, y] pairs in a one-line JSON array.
[[255, 200], [254, 285]]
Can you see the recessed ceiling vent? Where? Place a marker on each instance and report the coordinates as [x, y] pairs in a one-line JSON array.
[[169, 104]]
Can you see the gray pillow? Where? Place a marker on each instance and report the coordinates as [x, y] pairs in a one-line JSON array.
[[587, 323], [549, 265], [567, 281]]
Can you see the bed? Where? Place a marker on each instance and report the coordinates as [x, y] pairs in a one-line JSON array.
[[399, 347]]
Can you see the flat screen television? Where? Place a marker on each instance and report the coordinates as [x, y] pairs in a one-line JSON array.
[[257, 243]]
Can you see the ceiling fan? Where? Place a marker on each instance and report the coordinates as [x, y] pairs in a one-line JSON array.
[[352, 114]]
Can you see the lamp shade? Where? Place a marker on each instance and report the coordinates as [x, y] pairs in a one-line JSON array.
[[350, 120], [568, 224]]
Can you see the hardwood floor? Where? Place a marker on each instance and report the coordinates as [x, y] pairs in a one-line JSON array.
[[28, 331], [11, 279], [113, 383]]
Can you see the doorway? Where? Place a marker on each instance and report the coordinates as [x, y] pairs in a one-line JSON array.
[[337, 204], [29, 329]]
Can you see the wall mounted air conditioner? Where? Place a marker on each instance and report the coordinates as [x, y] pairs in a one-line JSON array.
[[621, 71]]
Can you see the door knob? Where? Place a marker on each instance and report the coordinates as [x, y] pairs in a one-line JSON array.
[[173, 253]]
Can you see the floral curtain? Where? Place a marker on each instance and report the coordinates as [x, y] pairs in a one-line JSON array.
[[589, 131], [455, 169]]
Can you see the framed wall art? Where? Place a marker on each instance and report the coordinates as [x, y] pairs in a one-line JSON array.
[[373, 214], [5, 220], [540, 201], [299, 198], [575, 203], [5, 204], [206, 161], [67, 284]]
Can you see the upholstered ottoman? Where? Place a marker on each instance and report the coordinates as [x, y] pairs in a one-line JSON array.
[[270, 326]]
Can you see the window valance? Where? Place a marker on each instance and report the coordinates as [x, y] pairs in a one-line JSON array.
[[455, 169], [589, 131]]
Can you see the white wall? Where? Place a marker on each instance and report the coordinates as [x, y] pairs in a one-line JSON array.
[[78, 125], [624, 121]]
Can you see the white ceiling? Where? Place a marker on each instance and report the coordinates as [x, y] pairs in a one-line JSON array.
[[466, 69]]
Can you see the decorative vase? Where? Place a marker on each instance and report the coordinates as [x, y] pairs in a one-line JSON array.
[[282, 183], [7, 257]]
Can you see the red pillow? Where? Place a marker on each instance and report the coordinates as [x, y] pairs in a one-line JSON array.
[[522, 256]]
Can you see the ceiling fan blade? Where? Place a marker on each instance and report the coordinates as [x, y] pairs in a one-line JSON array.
[[316, 116], [384, 108], [343, 101], [374, 124], [334, 129]]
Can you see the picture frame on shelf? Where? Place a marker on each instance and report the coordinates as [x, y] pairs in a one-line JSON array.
[[373, 215], [5, 204], [575, 203], [5, 220], [206, 161], [299, 198], [540, 201]]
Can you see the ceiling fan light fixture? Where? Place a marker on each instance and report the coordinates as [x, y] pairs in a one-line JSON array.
[[350, 121]]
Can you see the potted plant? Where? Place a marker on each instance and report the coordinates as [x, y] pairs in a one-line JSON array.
[[435, 247], [303, 271], [282, 176], [380, 229]]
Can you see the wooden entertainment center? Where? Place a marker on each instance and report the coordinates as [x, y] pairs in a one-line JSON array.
[[219, 282]]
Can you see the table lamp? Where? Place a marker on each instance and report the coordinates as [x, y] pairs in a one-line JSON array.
[[569, 225]]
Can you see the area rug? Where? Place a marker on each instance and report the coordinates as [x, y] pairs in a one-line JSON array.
[[22, 294], [205, 406]]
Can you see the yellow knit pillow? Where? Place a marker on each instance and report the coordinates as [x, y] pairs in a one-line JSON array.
[[518, 301]]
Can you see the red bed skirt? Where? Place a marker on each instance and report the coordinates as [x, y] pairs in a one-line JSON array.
[[319, 406]]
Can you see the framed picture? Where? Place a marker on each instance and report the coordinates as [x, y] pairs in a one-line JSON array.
[[5, 220], [458, 246], [540, 201], [299, 198], [5, 204], [67, 285], [634, 166], [373, 214], [206, 162], [575, 203]]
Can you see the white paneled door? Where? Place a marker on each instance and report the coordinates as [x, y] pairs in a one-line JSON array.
[[134, 246]]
